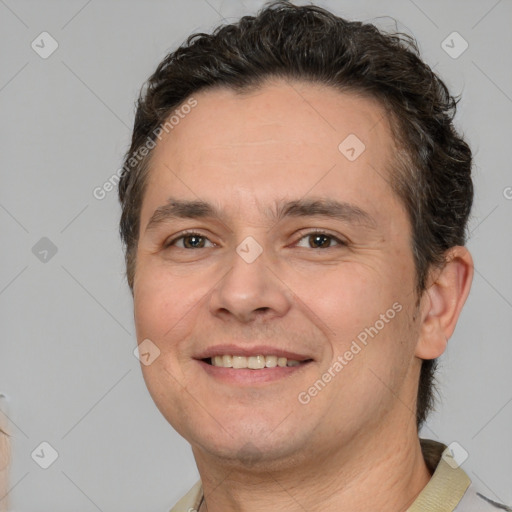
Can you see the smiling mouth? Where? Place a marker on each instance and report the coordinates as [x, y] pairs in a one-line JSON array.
[[258, 362]]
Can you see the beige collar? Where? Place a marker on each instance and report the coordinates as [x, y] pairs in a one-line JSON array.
[[448, 484]]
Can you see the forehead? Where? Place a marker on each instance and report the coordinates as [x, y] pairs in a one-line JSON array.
[[282, 140]]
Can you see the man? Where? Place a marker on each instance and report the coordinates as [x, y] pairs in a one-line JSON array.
[[295, 201]]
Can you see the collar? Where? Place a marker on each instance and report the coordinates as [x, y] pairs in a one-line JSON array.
[[448, 484]]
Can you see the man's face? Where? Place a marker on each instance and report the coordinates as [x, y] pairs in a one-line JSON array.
[[307, 296]]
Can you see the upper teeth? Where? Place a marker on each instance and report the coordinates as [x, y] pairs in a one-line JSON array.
[[252, 362]]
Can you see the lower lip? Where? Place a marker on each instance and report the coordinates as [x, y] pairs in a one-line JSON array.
[[250, 377]]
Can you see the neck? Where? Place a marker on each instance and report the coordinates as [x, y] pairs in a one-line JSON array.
[[382, 470]]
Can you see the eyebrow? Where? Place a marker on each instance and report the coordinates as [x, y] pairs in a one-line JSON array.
[[323, 207]]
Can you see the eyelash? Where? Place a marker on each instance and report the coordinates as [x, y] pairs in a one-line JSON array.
[[185, 234]]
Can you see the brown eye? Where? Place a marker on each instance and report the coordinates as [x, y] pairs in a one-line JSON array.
[[193, 241], [320, 240], [189, 241]]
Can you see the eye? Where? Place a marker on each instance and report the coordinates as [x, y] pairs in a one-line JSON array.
[[320, 240], [189, 240], [314, 239]]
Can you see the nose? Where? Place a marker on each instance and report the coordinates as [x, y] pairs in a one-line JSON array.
[[250, 291]]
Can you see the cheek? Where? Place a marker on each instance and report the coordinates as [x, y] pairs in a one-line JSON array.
[[362, 310], [166, 305], [156, 305], [160, 313], [348, 298], [149, 296]]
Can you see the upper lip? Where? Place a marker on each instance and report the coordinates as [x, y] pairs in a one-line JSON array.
[[257, 350]]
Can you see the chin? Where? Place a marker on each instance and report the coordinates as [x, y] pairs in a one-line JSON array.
[[250, 454], [248, 445]]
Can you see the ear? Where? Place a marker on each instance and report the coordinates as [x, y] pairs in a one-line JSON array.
[[442, 302]]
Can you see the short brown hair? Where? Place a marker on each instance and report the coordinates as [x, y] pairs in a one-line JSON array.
[[431, 173]]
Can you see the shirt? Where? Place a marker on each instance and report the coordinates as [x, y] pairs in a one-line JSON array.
[[448, 490]]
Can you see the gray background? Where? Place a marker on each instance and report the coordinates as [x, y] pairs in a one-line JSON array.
[[67, 324]]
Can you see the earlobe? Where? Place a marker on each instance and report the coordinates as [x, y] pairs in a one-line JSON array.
[[442, 302]]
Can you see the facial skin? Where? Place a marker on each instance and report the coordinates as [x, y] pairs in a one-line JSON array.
[[244, 154]]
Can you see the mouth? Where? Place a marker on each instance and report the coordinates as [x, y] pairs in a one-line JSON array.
[[251, 366], [258, 362]]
